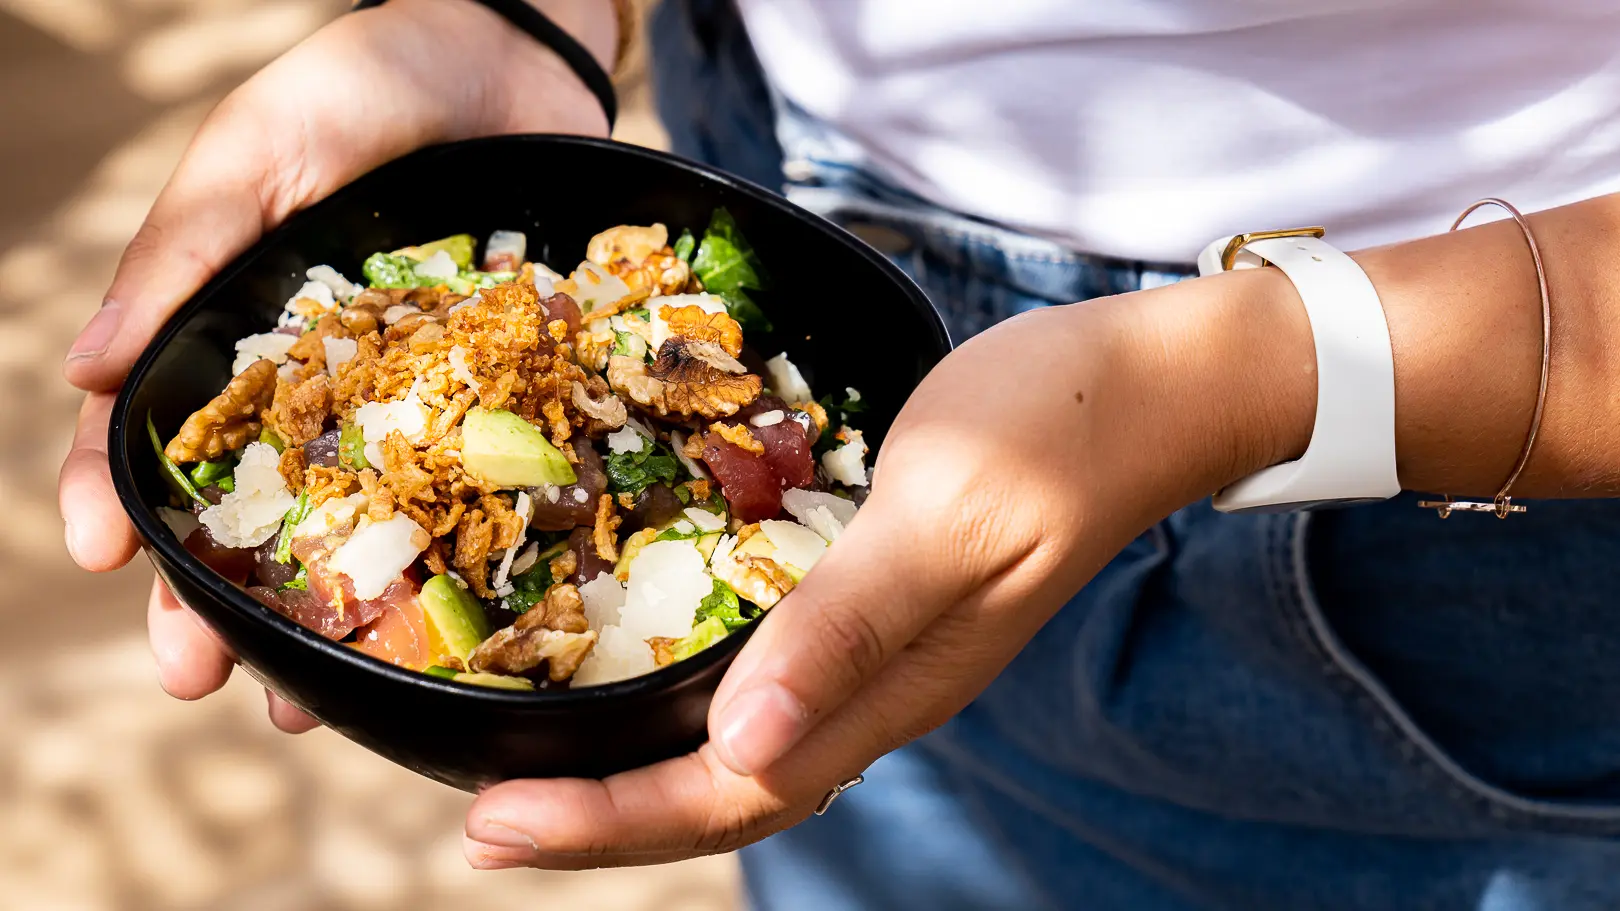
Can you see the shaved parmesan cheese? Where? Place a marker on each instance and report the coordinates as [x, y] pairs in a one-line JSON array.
[[786, 380], [339, 351], [678, 443], [553, 493], [618, 655], [331, 514], [667, 583], [526, 560], [581, 496], [768, 419], [847, 463], [506, 243], [525, 511], [398, 312], [603, 596], [795, 545], [821, 521], [684, 527], [459, 368], [704, 520], [272, 346], [439, 265], [250, 514], [343, 289], [313, 290], [625, 439], [543, 271], [377, 420], [471, 301], [378, 552], [180, 522], [851, 393], [799, 503], [597, 287], [723, 549]]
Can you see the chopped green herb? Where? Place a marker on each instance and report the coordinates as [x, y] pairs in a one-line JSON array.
[[684, 494], [642, 312], [226, 484], [352, 448], [386, 270], [529, 589], [621, 343], [178, 482], [722, 604], [727, 266], [299, 582], [675, 534], [297, 514], [684, 246], [206, 473], [632, 472], [702, 636], [443, 673]]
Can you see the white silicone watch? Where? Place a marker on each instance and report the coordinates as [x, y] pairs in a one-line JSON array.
[[1351, 456]]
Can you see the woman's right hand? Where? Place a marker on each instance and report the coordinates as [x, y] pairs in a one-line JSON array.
[[365, 89]]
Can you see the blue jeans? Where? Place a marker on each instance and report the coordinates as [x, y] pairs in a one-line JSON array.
[[1354, 709]]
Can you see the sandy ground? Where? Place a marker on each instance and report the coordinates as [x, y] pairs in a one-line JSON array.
[[113, 796]]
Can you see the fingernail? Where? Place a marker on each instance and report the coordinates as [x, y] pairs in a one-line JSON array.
[[501, 835], [98, 333], [72, 541], [758, 727], [493, 857]]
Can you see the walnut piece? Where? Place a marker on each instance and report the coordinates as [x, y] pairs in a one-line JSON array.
[[663, 649], [627, 244], [230, 421], [609, 410], [699, 325], [759, 579], [513, 651], [688, 378], [563, 610]]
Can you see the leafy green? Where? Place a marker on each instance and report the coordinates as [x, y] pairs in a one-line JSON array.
[[178, 482], [300, 581], [443, 673], [621, 343], [702, 636], [631, 472], [226, 484], [529, 589], [684, 246], [684, 494], [838, 413], [727, 265], [352, 448], [206, 473], [297, 514], [721, 604], [675, 534], [269, 438]]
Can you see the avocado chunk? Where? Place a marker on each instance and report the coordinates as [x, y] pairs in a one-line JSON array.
[[459, 246], [507, 451], [760, 546], [495, 681], [454, 617]]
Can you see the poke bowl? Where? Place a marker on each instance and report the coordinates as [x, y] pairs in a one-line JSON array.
[[492, 460]]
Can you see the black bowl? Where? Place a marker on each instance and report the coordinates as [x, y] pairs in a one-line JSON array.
[[843, 313]]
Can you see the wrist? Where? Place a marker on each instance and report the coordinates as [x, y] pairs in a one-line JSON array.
[[1224, 371]]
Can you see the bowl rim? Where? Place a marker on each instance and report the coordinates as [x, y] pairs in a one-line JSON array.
[[159, 539]]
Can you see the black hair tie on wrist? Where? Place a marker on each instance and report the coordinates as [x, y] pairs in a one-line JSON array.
[[542, 29]]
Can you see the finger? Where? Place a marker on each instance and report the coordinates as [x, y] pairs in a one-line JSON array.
[[99, 535], [288, 717], [208, 212], [191, 662], [890, 574]]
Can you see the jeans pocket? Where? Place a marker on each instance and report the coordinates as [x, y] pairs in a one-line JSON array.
[[1476, 653]]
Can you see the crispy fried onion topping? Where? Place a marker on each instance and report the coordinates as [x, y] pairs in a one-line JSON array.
[[228, 422]]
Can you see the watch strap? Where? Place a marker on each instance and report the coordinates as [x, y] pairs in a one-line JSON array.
[[540, 27], [1351, 456]]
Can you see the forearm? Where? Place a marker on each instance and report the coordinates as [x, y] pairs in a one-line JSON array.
[[1228, 362]]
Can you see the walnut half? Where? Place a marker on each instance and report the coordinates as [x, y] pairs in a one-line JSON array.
[[688, 378], [230, 421]]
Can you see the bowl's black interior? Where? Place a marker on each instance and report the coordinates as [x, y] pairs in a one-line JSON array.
[[843, 313]]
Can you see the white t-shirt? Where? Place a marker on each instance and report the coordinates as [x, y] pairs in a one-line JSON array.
[[1146, 128]]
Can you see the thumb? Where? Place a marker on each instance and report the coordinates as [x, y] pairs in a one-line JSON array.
[[885, 579], [208, 212]]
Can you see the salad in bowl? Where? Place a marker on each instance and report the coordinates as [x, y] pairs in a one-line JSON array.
[[469, 465]]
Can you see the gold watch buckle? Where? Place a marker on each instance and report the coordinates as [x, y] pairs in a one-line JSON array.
[[1236, 244]]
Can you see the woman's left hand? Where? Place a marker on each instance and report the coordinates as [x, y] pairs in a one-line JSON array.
[[1021, 465]]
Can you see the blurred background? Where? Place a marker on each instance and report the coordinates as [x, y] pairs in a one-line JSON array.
[[112, 795]]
